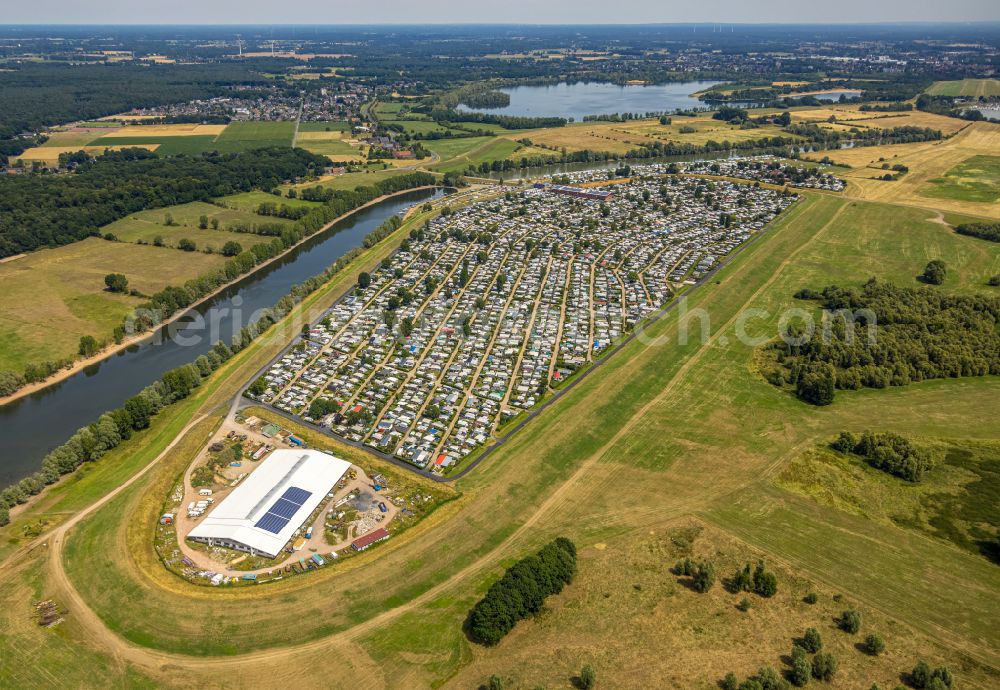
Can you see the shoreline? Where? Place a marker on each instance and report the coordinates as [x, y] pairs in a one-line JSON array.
[[107, 352]]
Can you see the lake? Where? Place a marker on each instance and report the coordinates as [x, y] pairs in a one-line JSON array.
[[591, 98]]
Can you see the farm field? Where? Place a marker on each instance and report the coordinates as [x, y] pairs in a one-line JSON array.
[[242, 136], [325, 126], [965, 87], [335, 144], [65, 286], [166, 146], [191, 130], [49, 155], [672, 419]]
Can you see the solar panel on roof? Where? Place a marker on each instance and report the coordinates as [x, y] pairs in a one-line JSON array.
[[285, 509], [279, 514], [272, 523], [296, 495]]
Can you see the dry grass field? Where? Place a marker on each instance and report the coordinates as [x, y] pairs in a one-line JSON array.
[[927, 161], [49, 154], [182, 130], [54, 296]]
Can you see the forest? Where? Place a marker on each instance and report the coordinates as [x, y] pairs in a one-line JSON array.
[[883, 335], [36, 95], [49, 211]]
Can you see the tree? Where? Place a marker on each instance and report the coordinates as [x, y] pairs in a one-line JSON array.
[[811, 641], [116, 282], [874, 644], [824, 666], [850, 621], [934, 273], [203, 222], [817, 385], [231, 248], [168, 220], [704, 577], [88, 345], [495, 683], [10, 381], [215, 223], [765, 583], [186, 245], [364, 280], [801, 667], [588, 679]]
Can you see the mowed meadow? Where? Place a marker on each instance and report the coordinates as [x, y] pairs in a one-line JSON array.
[[665, 434]]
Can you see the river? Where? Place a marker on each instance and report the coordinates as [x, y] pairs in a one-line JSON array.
[[32, 426]]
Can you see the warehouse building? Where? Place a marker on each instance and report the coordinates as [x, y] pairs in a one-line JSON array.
[[261, 514]]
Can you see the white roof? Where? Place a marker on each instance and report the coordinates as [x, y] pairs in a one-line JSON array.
[[265, 497]]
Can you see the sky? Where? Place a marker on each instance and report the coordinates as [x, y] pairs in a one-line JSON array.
[[505, 11]]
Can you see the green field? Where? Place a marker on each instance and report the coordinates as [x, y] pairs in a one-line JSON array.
[[243, 136], [65, 286], [326, 126], [147, 225], [666, 430], [167, 146], [459, 154], [976, 179], [249, 201], [965, 87], [693, 445]]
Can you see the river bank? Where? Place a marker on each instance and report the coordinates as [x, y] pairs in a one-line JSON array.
[[111, 350]]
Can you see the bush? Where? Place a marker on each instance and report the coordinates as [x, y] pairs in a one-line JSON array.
[[824, 666], [588, 679], [116, 282], [935, 272], [88, 345], [922, 678], [186, 245], [704, 577], [850, 621], [801, 667], [729, 682], [874, 644], [811, 598], [811, 641], [994, 281]]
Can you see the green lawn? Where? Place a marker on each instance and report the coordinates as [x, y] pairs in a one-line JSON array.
[[965, 87], [976, 179], [146, 225]]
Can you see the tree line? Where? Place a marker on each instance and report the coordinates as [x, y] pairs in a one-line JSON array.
[[522, 591], [984, 231], [49, 211], [883, 335]]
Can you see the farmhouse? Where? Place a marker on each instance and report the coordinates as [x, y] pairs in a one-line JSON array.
[[262, 514]]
